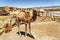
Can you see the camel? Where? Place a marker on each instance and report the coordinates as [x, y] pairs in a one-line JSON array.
[[3, 13], [24, 17], [41, 11], [8, 28]]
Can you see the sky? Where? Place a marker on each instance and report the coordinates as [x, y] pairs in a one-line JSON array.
[[29, 3]]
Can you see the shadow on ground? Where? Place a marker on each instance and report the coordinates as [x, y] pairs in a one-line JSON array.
[[27, 34]]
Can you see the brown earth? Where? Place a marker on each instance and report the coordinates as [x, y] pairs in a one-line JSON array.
[[46, 30], [40, 31]]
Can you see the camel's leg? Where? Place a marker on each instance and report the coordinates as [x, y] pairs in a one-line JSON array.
[[30, 27], [18, 28], [16, 21], [14, 24], [10, 20], [25, 28]]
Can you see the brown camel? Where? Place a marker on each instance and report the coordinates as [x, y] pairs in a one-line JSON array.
[[25, 18], [8, 28]]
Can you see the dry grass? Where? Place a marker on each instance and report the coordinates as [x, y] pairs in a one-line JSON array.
[[4, 17], [48, 30], [40, 30]]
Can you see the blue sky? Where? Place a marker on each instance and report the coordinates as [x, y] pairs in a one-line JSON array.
[[29, 3]]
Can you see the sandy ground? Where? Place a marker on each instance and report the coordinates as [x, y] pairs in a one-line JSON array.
[[40, 30]]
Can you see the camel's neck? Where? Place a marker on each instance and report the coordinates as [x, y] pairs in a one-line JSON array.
[[34, 16]]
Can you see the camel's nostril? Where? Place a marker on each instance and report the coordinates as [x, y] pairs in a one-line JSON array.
[[7, 31]]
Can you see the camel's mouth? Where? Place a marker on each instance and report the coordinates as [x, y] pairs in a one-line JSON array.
[[7, 31]]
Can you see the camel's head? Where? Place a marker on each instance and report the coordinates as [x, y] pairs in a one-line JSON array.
[[8, 28], [34, 11]]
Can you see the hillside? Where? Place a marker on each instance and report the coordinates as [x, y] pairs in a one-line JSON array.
[[40, 31], [45, 30]]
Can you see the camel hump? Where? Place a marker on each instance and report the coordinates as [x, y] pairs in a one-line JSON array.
[[27, 14], [21, 14]]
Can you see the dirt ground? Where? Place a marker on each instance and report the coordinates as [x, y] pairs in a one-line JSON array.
[[49, 30]]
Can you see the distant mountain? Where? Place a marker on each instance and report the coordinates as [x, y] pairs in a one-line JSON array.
[[1, 8], [48, 7]]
